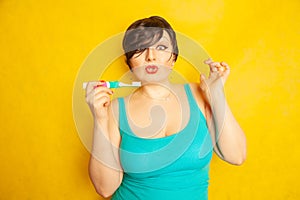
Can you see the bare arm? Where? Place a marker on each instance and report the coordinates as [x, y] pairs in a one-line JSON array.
[[227, 135], [104, 167]]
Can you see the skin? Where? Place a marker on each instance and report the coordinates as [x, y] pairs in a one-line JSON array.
[[158, 97]]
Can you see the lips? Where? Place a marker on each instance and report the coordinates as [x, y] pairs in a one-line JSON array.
[[151, 69]]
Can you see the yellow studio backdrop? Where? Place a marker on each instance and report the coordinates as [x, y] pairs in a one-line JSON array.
[[44, 43]]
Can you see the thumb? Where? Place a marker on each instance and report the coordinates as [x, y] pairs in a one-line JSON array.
[[203, 84], [202, 77]]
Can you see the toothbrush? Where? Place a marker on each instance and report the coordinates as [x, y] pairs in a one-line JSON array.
[[114, 84]]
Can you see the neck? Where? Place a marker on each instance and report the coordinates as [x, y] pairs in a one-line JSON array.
[[156, 91]]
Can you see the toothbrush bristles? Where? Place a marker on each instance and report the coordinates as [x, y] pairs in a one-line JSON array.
[[136, 83], [133, 84]]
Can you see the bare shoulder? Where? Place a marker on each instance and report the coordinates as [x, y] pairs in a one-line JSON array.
[[198, 96]]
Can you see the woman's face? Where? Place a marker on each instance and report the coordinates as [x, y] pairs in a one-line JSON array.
[[155, 63]]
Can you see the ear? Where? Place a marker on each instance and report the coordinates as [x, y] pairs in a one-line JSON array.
[[173, 63], [173, 60]]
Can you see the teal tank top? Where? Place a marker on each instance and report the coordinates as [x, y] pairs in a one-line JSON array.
[[174, 167]]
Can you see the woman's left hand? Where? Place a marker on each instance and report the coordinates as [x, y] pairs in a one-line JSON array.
[[214, 84], [227, 135]]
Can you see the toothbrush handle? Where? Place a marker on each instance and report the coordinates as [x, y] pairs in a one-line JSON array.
[[103, 83], [109, 84], [112, 84]]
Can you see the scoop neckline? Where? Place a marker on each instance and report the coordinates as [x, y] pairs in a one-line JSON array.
[[190, 104]]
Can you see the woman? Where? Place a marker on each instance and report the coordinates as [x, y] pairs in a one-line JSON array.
[[157, 142]]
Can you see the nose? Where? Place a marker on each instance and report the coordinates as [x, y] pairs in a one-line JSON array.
[[150, 55]]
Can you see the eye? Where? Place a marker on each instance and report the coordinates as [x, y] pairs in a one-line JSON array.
[[161, 47], [138, 52]]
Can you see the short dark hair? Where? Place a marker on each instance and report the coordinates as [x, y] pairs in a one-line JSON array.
[[144, 33]]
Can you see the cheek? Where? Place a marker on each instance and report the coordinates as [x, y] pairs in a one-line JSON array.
[[135, 62], [169, 61]]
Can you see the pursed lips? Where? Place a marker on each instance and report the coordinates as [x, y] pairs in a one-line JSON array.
[[151, 69]]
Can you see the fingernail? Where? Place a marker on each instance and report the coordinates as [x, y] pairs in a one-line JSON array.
[[96, 86]]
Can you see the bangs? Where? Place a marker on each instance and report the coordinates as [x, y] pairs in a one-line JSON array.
[[141, 38], [146, 32]]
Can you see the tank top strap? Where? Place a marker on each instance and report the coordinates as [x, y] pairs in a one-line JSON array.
[[193, 104], [123, 124], [190, 97]]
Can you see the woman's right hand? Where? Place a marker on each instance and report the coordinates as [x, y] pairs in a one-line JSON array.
[[98, 99]]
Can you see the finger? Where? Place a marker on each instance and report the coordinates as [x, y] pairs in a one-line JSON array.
[[213, 70], [103, 89], [102, 101], [97, 93], [217, 65], [220, 67], [90, 86], [225, 67], [102, 83], [224, 64], [214, 66], [102, 92], [208, 61], [227, 71]]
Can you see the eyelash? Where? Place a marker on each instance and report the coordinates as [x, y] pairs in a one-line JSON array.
[[158, 47], [164, 47]]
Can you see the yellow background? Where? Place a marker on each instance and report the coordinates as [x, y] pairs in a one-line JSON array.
[[44, 43]]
